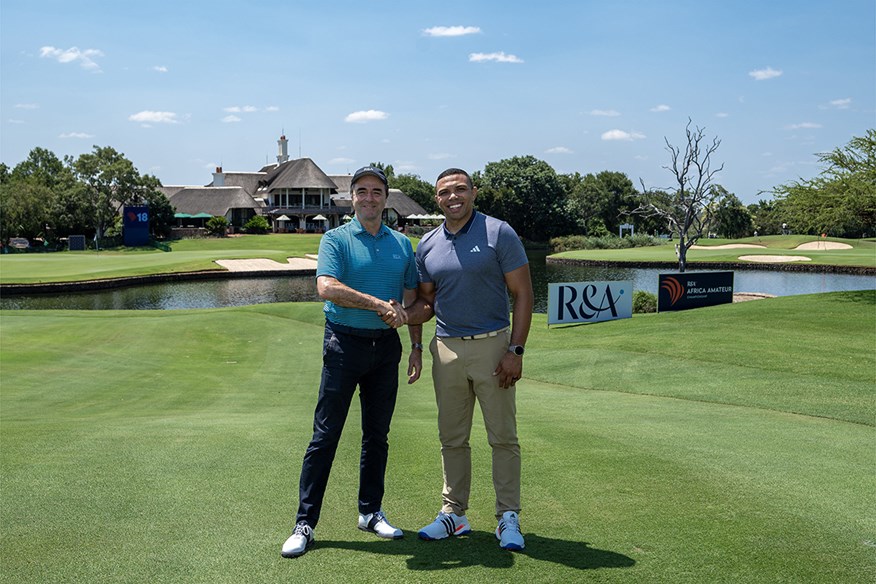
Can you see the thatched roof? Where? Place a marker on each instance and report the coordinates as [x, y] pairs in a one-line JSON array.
[[403, 204], [248, 180], [213, 200], [297, 174], [343, 182]]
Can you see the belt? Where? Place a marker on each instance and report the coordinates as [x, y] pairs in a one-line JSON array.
[[360, 332], [484, 335]]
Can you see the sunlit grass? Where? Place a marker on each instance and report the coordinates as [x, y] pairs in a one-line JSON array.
[[732, 443]]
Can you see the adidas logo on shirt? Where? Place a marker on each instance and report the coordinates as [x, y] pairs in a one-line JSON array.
[[475, 249]]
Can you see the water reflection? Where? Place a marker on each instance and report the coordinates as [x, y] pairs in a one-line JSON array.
[[176, 295], [240, 292]]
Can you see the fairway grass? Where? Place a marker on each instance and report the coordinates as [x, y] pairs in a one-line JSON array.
[[196, 255], [862, 253], [727, 444], [187, 255]]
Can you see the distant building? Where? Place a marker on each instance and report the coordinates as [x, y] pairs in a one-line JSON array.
[[293, 195]]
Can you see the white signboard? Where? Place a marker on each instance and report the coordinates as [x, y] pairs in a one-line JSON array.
[[589, 301]]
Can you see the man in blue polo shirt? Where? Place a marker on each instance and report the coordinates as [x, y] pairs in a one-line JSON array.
[[467, 267], [362, 266]]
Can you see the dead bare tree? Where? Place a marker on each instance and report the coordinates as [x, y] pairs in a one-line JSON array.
[[687, 208]]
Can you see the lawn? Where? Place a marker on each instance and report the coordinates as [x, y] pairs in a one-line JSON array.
[[191, 255], [187, 255], [862, 253], [727, 444]]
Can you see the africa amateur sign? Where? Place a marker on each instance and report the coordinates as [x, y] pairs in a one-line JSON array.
[[589, 301], [693, 290]]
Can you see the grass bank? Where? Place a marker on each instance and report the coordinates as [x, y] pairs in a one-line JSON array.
[[187, 255], [861, 254], [726, 444], [195, 255]]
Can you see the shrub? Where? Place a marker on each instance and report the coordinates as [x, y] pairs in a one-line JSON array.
[[644, 302], [257, 224], [572, 242], [216, 226]]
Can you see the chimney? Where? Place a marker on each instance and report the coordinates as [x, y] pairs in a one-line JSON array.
[[218, 177], [283, 145]]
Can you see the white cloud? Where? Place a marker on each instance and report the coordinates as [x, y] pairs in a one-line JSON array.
[[451, 31], [160, 68], [14, 121], [73, 54], [341, 160], [768, 73], [622, 135], [147, 117], [361, 117], [26, 106], [499, 57], [661, 108], [558, 150], [722, 115], [272, 108], [440, 156], [230, 119], [803, 126], [82, 135], [236, 109], [842, 103], [606, 113]]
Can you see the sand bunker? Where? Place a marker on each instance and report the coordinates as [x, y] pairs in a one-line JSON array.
[[264, 265], [728, 246], [824, 245], [774, 259]]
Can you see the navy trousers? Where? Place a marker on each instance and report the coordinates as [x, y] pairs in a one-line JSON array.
[[367, 358]]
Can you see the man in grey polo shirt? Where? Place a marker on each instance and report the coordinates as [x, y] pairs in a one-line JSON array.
[[467, 266]]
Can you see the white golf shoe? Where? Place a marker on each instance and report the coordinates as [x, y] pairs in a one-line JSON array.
[[298, 542], [377, 524], [508, 532]]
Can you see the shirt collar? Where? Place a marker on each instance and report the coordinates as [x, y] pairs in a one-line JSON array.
[[358, 229], [464, 229]]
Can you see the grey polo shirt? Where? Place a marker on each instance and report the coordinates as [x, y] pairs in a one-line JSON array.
[[468, 269]]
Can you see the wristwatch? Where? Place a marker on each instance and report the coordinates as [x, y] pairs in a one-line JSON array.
[[516, 349], [416, 346]]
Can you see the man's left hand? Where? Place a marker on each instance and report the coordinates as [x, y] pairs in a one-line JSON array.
[[509, 370]]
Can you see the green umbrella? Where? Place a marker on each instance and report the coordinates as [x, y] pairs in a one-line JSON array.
[[182, 216], [202, 216]]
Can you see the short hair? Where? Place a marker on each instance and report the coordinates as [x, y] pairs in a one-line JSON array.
[[452, 171]]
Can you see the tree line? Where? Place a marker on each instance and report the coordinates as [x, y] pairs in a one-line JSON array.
[[541, 204], [45, 197]]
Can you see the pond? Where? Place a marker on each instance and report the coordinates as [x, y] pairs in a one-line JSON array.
[[245, 291]]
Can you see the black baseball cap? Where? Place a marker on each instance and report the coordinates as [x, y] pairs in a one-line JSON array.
[[369, 170]]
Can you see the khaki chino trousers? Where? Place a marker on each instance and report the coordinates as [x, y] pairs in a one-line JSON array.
[[462, 371]]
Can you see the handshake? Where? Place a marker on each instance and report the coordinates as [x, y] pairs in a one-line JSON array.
[[393, 314]]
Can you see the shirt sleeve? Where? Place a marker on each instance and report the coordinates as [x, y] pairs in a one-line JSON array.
[[422, 272], [411, 276], [511, 252], [329, 260]]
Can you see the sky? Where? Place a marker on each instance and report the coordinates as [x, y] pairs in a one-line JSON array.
[[587, 86]]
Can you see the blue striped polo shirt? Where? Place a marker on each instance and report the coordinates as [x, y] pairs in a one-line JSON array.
[[381, 265]]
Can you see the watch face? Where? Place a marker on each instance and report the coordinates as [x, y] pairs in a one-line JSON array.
[[517, 349]]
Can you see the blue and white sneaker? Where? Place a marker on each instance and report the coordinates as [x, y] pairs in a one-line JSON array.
[[298, 542], [445, 525], [377, 524], [508, 532]]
